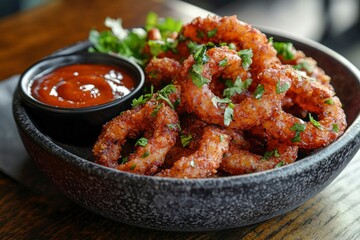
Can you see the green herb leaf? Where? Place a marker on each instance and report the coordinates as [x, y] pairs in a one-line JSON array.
[[271, 40], [160, 46], [174, 126], [143, 98], [329, 101], [200, 56], [124, 160], [164, 94], [196, 76], [165, 25], [297, 137], [215, 100], [284, 49], [141, 142], [246, 57], [280, 88], [259, 91], [314, 122], [193, 46], [200, 34], [138, 101], [212, 33], [221, 137], [297, 127], [133, 166], [229, 114], [335, 127], [237, 87], [146, 154], [156, 110], [223, 62], [304, 65], [185, 139], [276, 153], [280, 164], [273, 153]]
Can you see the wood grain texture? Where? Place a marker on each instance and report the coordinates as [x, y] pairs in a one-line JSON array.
[[24, 214]]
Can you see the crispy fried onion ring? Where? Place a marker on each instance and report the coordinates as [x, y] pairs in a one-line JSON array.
[[236, 95], [161, 71], [206, 160], [230, 30], [201, 100], [154, 118], [330, 124], [240, 161]]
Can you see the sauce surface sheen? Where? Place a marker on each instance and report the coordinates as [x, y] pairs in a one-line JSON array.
[[82, 85]]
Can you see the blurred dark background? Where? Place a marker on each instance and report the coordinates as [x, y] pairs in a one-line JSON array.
[[334, 23]]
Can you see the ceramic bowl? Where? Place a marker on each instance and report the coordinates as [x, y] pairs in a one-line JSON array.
[[73, 125], [200, 204]]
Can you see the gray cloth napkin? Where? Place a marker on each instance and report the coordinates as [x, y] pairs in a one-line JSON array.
[[14, 161]]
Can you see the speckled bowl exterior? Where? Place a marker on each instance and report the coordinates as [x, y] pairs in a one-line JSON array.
[[201, 204]]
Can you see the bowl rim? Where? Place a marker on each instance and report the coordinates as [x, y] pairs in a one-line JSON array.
[[73, 58], [307, 162]]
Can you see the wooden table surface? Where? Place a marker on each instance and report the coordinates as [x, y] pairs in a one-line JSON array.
[[26, 214]]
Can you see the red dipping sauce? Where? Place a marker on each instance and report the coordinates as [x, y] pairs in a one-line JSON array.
[[82, 85]]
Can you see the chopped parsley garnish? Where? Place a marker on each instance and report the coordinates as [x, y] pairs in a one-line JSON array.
[[201, 56], [237, 87], [193, 46], [335, 127], [221, 137], [212, 33], [229, 114], [165, 25], [143, 98], [284, 49], [298, 128], [163, 94], [146, 154], [185, 139], [133, 166], [141, 142], [259, 91], [273, 153], [138, 101], [329, 101], [223, 62], [156, 110], [246, 57], [158, 46], [200, 34], [280, 88], [232, 46], [305, 65], [271, 40], [314, 122], [174, 126], [124, 160], [196, 76], [215, 100], [229, 110], [280, 164]]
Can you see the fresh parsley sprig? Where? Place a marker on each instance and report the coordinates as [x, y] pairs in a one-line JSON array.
[[236, 87]]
